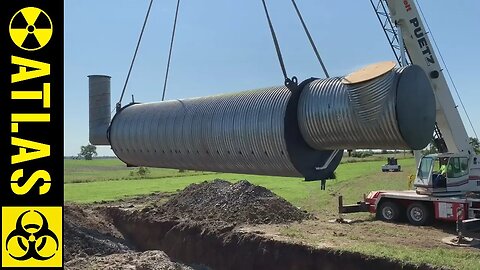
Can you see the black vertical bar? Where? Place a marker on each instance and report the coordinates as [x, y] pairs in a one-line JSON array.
[[44, 171]]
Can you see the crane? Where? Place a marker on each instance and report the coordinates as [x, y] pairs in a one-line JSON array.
[[447, 185], [459, 156]]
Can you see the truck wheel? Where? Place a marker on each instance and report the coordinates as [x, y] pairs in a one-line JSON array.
[[388, 211], [419, 214]]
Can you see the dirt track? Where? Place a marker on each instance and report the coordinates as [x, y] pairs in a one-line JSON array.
[[217, 224]]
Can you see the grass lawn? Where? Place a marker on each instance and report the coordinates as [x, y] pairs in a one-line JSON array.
[[85, 182], [82, 171], [446, 256]]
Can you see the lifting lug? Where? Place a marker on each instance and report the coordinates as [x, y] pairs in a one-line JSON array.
[[292, 83]]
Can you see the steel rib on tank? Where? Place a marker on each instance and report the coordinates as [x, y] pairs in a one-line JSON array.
[[333, 115]]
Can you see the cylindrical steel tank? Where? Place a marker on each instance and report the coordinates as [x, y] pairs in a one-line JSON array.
[[276, 131], [393, 111], [252, 132], [99, 108]]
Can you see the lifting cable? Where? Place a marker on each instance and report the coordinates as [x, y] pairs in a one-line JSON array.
[[119, 103], [446, 69], [170, 51], [288, 81], [312, 43]]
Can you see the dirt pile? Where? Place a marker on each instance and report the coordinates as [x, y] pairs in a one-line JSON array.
[[219, 200], [151, 260], [88, 232]]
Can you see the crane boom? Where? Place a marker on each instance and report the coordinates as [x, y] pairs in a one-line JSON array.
[[405, 15]]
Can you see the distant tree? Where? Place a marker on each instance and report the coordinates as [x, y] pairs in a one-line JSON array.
[[362, 154], [141, 172], [475, 144], [88, 152]]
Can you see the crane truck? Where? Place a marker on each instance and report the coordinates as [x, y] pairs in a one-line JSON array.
[[446, 185]]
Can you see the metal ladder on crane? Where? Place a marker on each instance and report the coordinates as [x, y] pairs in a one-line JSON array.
[[391, 32], [439, 141]]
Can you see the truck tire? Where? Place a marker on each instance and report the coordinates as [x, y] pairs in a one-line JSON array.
[[419, 214], [388, 211]]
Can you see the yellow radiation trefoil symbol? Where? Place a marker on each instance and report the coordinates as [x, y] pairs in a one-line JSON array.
[[31, 28]]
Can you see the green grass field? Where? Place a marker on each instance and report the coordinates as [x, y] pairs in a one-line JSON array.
[[103, 180], [82, 171], [108, 179]]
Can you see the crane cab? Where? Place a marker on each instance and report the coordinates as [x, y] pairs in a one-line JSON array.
[[448, 174]]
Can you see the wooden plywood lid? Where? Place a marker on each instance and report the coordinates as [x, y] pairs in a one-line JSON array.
[[368, 72]]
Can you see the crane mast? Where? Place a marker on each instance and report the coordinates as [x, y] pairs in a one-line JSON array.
[[405, 15]]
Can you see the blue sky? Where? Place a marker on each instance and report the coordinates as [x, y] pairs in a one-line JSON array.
[[225, 46]]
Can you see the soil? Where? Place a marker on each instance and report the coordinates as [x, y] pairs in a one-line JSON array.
[[88, 232], [151, 260], [220, 200], [92, 241], [93, 238], [230, 248], [224, 226]]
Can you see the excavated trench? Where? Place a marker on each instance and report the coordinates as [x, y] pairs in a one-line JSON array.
[[220, 247], [199, 227]]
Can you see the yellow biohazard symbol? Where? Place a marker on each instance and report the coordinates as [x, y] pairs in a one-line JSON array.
[[31, 236], [31, 28]]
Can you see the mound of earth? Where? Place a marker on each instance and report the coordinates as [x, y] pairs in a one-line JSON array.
[[151, 260], [88, 232], [220, 200]]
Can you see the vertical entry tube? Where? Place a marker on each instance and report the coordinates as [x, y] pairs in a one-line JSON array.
[[99, 108]]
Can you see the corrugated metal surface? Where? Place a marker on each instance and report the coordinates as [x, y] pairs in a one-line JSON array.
[[333, 115], [242, 132], [272, 132], [99, 108]]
